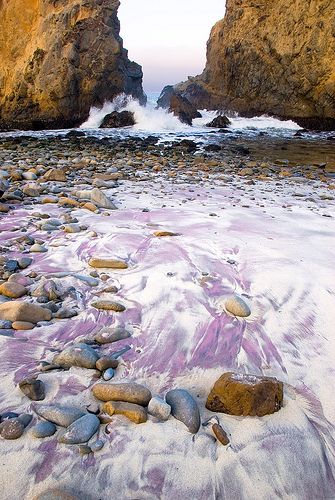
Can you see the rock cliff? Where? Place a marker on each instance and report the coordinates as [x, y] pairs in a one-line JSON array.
[[58, 58], [271, 56]]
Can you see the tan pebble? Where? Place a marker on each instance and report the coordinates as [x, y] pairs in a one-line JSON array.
[[98, 262], [108, 305], [220, 434], [22, 325], [160, 234], [12, 290], [133, 412]]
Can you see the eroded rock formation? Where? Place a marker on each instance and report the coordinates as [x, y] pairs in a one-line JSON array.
[[271, 56], [58, 58]]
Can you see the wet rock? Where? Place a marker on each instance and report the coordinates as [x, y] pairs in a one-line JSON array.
[[81, 355], [106, 362], [65, 313], [12, 290], [59, 415], [81, 430], [8, 415], [184, 408], [11, 429], [240, 394], [108, 305], [220, 434], [24, 311], [178, 105], [118, 119], [37, 248], [98, 262], [110, 335], [158, 408], [133, 412], [55, 174], [33, 388], [22, 325], [5, 325], [237, 306], [220, 121], [11, 265], [128, 392], [44, 429]]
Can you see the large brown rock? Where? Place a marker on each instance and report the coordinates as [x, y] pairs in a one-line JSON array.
[[24, 311], [274, 57], [118, 120], [59, 58], [240, 394], [178, 105]]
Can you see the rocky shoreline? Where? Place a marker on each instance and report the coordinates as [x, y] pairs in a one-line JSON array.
[[98, 253]]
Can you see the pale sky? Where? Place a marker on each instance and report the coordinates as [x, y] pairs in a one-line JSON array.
[[168, 37]]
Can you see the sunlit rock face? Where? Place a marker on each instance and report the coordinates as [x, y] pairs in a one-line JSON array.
[[58, 58], [271, 56]]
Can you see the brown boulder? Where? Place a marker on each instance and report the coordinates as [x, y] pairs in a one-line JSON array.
[[178, 105], [241, 394], [54, 174], [118, 119], [24, 311]]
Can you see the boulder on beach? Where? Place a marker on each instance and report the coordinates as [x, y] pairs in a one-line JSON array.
[[243, 395], [55, 174], [81, 355], [24, 311], [118, 119], [184, 408], [108, 305], [178, 105], [133, 412], [127, 392], [11, 428]]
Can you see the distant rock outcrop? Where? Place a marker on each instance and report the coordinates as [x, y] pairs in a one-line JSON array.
[[178, 105], [274, 57], [58, 58]]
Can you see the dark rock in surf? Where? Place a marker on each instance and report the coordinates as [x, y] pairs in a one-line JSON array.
[[178, 105], [118, 120], [220, 121]]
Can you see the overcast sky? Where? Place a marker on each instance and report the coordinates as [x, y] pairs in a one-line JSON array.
[[168, 37]]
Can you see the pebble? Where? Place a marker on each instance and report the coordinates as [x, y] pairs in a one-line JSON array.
[[59, 415], [108, 374], [106, 362], [37, 248], [25, 419], [81, 430], [24, 311], [33, 388], [237, 306], [184, 408], [128, 392], [84, 449], [97, 445], [220, 434], [133, 412], [81, 355], [11, 428], [22, 325], [5, 325], [109, 335], [98, 262], [8, 414], [108, 305], [44, 429], [24, 262], [101, 200], [158, 408], [161, 234]]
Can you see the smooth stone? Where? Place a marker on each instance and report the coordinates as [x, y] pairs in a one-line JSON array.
[[161, 234], [133, 412], [34, 389], [11, 429], [108, 305], [244, 395], [158, 408], [109, 335], [184, 408], [22, 325], [25, 419], [59, 415], [24, 311], [72, 228], [81, 430], [128, 392], [12, 290], [56, 494], [11, 265], [101, 200], [98, 262], [37, 248], [24, 262], [5, 325], [237, 306], [81, 355], [106, 362], [84, 449], [7, 415], [87, 279], [65, 313], [220, 434], [108, 374], [97, 445], [44, 429]]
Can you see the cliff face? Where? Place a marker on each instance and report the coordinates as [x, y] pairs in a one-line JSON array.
[[58, 58], [271, 56]]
